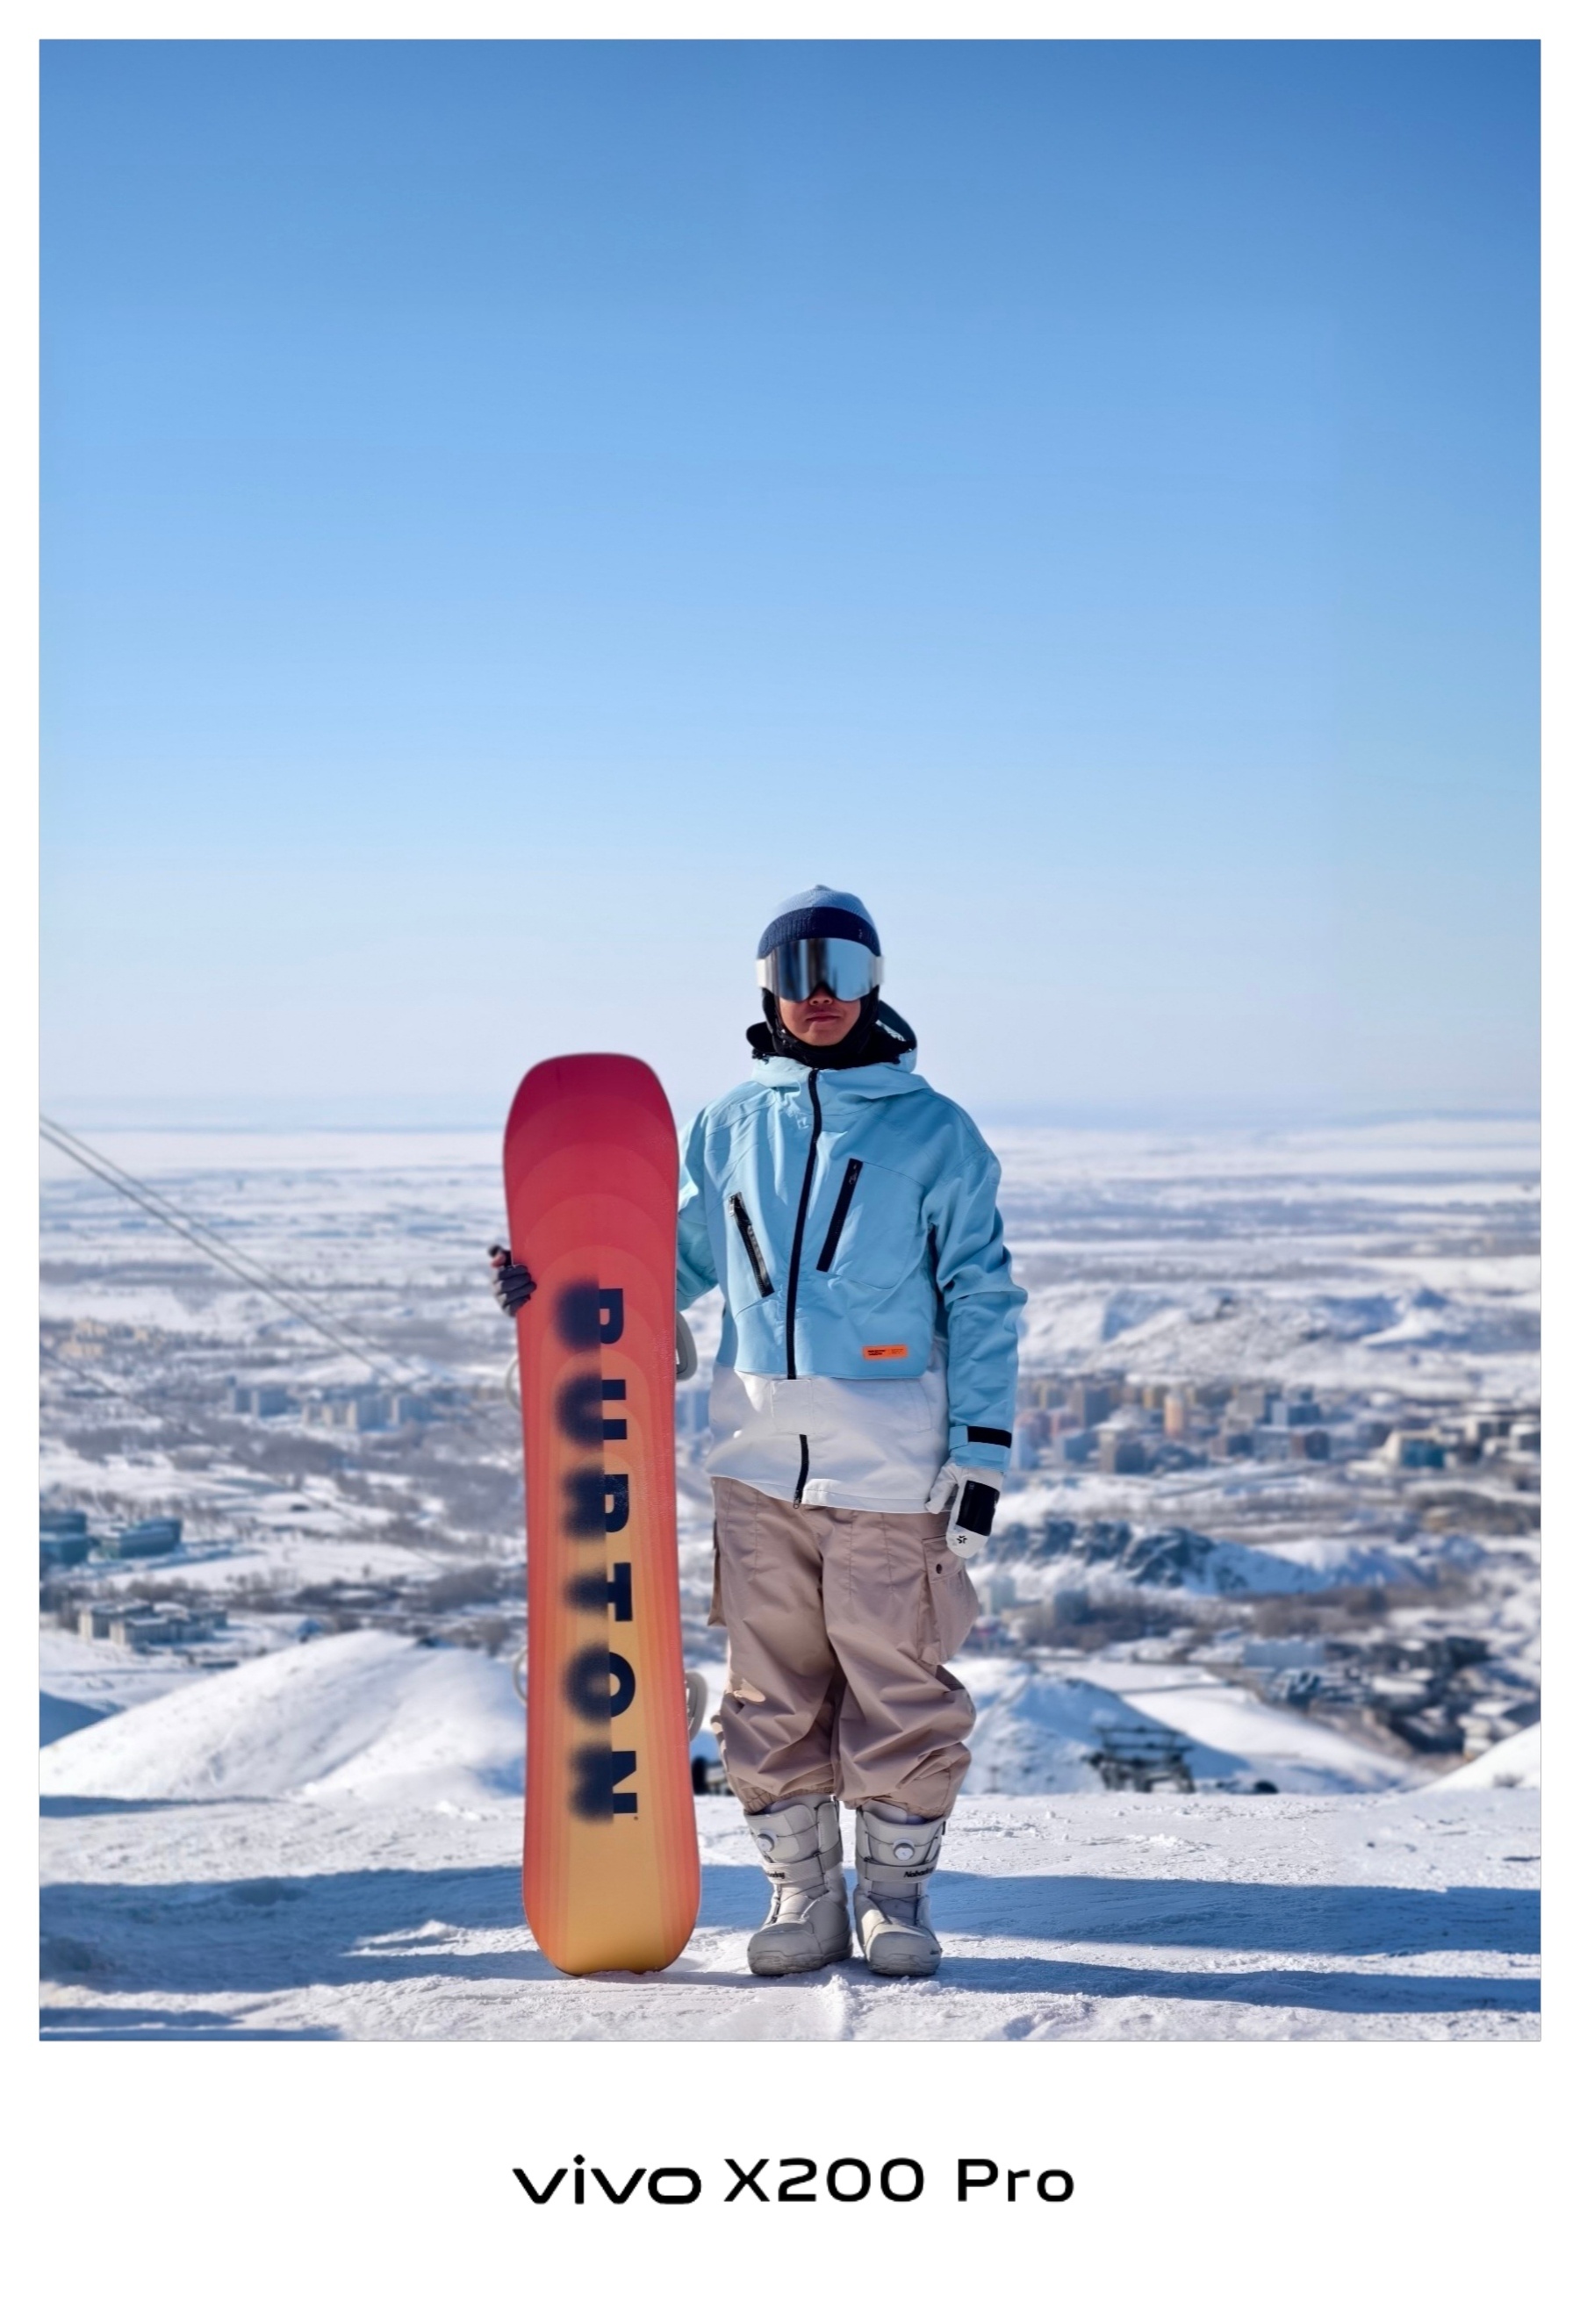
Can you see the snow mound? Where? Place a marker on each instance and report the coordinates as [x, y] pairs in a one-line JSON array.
[[1513, 1765], [1041, 1731], [364, 1713], [1040, 1734]]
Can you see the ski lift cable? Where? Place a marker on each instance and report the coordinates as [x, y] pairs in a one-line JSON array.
[[224, 1254], [213, 1244]]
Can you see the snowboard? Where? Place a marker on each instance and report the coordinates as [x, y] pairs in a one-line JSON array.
[[609, 1874]]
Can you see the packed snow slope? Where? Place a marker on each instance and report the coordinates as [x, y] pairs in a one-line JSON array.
[[1111, 1916], [325, 1843]]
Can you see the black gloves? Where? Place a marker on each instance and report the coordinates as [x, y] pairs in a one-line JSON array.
[[512, 1285]]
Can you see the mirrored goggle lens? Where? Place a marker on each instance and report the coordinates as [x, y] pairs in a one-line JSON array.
[[793, 971]]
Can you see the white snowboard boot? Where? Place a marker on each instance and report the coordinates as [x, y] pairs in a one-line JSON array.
[[808, 1923], [894, 1862]]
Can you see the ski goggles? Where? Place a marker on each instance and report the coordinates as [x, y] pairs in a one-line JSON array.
[[794, 971]]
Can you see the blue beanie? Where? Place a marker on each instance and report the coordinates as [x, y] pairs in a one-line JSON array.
[[819, 912]]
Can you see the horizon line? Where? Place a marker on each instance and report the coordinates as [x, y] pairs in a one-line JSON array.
[[395, 1116]]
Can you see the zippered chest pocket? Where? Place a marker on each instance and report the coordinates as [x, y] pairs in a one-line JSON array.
[[842, 1203], [873, 1234], [746, 1237]]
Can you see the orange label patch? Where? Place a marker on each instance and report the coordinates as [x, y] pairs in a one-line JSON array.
[[885, 1351]]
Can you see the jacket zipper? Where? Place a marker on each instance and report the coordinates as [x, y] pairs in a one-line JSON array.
[[853, 1171], [795, 1257], [795, 1267], [742, 1217]]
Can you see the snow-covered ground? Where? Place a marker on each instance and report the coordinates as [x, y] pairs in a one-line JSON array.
[[325, 1841], [1107, 1917]]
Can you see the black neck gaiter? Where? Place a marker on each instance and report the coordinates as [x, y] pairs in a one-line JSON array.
[[869, 1042]]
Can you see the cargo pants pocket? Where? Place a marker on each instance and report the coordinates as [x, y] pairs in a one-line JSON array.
[[952, 1605]]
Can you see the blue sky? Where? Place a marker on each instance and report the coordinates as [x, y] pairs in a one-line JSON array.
[[514, 511]]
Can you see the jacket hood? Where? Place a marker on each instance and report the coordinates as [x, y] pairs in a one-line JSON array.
[[900, 1079]]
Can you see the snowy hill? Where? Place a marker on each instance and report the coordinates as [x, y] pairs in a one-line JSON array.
[[1513, 1765], [1036, 1734], [1037, 1730], [1338, 1256], [378, 1717], [365, 1713], [1341, 1339], [1108, 1555]]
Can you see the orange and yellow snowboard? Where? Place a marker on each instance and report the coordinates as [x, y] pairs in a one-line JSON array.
[[609, 1872]]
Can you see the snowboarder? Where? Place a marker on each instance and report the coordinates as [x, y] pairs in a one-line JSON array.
[[862, 1405]]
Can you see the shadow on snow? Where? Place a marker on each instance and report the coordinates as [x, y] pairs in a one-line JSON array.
[[359, 1928]]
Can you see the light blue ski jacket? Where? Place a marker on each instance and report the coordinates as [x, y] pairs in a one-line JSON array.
[[849, 1216]]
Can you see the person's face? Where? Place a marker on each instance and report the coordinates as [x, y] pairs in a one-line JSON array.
[[820, 1021]]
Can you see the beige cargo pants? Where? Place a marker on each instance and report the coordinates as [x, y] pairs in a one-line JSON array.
[[839, 1621]]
